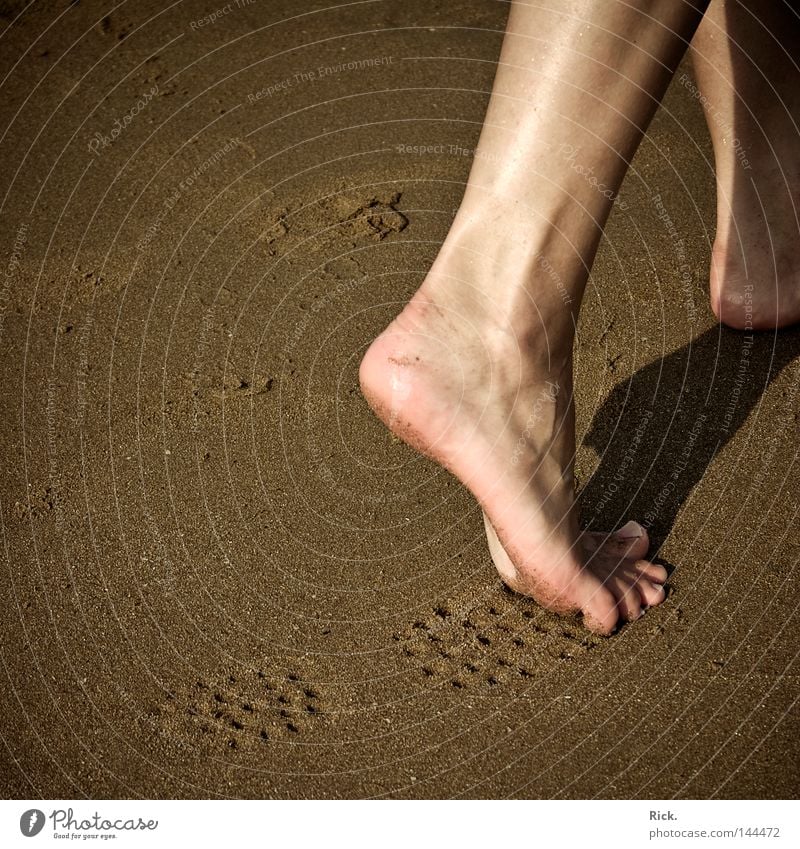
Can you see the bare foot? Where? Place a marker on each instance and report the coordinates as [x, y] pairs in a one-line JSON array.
[[755, 263], [476, 372], [616, 559], [497, 412], [744, 56]]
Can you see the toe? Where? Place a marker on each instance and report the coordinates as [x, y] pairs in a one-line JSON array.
[[652, 571], [633, 539], [630, 541], [629, 599], [651, 594], [600, 612]]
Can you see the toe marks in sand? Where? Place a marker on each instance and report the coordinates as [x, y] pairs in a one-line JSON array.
[[485, 645], [370, 218], [244, 710]]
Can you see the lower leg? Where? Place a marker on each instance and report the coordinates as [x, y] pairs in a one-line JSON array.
[[477, 370], [746, 55]]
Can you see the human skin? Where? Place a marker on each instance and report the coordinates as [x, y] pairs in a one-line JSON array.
[[476, 372], [746, 57]]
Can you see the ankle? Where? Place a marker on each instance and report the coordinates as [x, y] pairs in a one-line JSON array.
[[520, 300], [477, 347]]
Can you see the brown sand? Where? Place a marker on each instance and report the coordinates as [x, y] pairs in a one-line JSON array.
[[222, 576]]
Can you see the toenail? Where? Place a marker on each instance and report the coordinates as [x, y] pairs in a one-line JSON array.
[[630, 530]]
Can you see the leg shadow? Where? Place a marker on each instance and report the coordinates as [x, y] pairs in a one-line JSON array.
[[657, 432]]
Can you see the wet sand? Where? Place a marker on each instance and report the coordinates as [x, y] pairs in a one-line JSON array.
[[223, 578]]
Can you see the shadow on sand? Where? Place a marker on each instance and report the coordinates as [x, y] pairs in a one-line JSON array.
[[657, 432]]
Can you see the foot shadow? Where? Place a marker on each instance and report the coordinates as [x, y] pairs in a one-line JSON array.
[[657, 432]]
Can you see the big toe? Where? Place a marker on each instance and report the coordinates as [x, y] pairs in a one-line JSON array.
[[630, 541], [600, 610]]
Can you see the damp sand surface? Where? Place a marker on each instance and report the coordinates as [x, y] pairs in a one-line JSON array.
[[223, 577]]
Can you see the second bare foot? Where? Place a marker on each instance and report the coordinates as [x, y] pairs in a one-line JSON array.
[[745, 59]]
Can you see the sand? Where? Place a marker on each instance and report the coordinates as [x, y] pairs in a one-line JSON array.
[[223, 578]]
